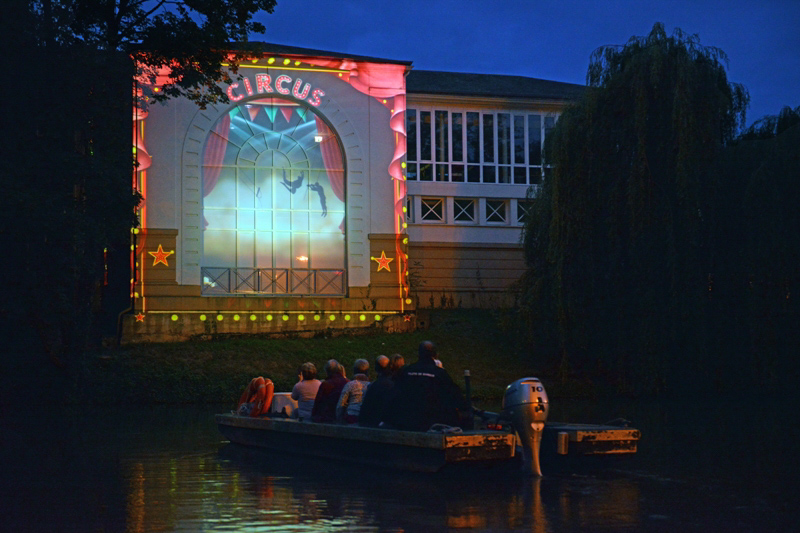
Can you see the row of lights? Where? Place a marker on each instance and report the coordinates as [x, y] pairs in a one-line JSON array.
[[317, 317]]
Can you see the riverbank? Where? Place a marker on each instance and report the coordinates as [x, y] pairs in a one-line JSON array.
[[215, 371]]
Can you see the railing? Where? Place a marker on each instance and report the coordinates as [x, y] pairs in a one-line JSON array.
[[273, 281]]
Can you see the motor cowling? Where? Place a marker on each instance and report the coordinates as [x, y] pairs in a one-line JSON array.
[[525, 404]]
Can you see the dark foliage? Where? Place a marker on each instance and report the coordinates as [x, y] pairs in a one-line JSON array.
[[66, 162], [648, 211]]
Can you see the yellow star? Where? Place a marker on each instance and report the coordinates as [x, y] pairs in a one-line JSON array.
[[160, 256], [383, 261]]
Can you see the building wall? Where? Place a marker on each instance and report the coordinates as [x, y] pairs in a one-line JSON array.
[[170, 303]]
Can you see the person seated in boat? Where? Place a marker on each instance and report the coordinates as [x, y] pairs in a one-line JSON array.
[[426, 395], [305, 391], [379, 392], [349, 404], [256, 398], [327, 397], [398, 362]]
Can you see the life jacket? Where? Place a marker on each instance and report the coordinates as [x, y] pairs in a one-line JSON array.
[[258, 395]]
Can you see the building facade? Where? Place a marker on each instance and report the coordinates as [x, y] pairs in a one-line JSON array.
[[333, 192]]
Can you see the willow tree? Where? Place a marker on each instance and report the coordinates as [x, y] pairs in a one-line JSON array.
[[619, 243]]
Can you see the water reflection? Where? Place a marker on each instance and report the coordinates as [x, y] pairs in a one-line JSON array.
[[169, 470]]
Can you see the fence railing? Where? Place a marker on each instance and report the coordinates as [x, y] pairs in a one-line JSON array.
[[273, 281]]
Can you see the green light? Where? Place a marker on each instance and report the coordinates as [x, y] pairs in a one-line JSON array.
[[377, 318], [220, 318], [236, 318], [269, 318], [252, 318], [271, 60], [316, 318], [285, 318], [362, 318], [347, 318], [174, 318], [301, 318], [202, 318], [332, 318]]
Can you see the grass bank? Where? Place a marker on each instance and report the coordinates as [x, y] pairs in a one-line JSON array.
[[216, 371]]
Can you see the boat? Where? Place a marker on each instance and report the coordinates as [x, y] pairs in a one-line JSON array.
[[516, 433]]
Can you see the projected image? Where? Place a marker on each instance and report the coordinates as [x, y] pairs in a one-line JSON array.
[[273, 202]]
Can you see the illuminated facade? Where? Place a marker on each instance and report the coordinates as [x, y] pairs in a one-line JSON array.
[[333, 191]]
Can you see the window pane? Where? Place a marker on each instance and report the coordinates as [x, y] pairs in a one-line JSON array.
[[425, 172], [504, 138], [458, 145], [464, 210], [523, 210], [411, 134], [536, 175], [488, 138], [495, 211], [519, 139], [442, 139], [442, 172], [534, 139], [425, 135], [504, 175], [432, 209], [411, 171], [473, 174], [457, 173], [519, 175], [549, 124], [473, 138], [489, 175]]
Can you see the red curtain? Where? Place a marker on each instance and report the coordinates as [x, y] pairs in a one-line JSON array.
[[213, 155], [332, 157]]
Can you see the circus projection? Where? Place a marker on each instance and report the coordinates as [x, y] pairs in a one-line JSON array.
[[273, 202]]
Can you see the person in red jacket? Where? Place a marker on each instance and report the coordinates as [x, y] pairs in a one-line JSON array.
[[256, 398]]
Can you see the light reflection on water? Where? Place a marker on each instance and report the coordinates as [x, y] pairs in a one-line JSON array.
[[700, 468]]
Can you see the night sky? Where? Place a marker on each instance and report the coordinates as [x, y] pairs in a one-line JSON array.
[[550, 39]]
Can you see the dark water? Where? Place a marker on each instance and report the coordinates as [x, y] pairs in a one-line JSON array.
[[725, 465]]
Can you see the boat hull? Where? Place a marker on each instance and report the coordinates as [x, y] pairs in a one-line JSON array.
[[404, 450]]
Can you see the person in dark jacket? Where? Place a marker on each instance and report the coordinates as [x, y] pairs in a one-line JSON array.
[[373, 406], [324, 409], [426, 395]]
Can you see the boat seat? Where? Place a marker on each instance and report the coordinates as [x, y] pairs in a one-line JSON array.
[[282, 404]]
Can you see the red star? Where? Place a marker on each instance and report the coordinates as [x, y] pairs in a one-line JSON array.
[[407, 318], [140, 317], [383, 262], [160, 256]]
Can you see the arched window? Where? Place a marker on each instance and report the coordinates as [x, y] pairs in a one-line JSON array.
[[273, 202]]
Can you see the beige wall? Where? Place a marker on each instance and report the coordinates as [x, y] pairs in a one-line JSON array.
[[464, 275]]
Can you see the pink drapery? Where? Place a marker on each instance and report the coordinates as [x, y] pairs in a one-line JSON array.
[[332, 158], [213, 155]]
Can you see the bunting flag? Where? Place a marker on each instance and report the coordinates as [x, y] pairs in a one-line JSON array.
[[287, 113], [253, 110], [271, 111]]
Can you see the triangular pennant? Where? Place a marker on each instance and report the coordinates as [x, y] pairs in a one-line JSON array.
[[287, 113], [302, 112], [253, 110], [271, 111]]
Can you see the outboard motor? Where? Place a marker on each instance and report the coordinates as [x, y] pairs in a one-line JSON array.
[[525, 403]]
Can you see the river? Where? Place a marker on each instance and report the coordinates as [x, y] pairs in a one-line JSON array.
[[713, 465]]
